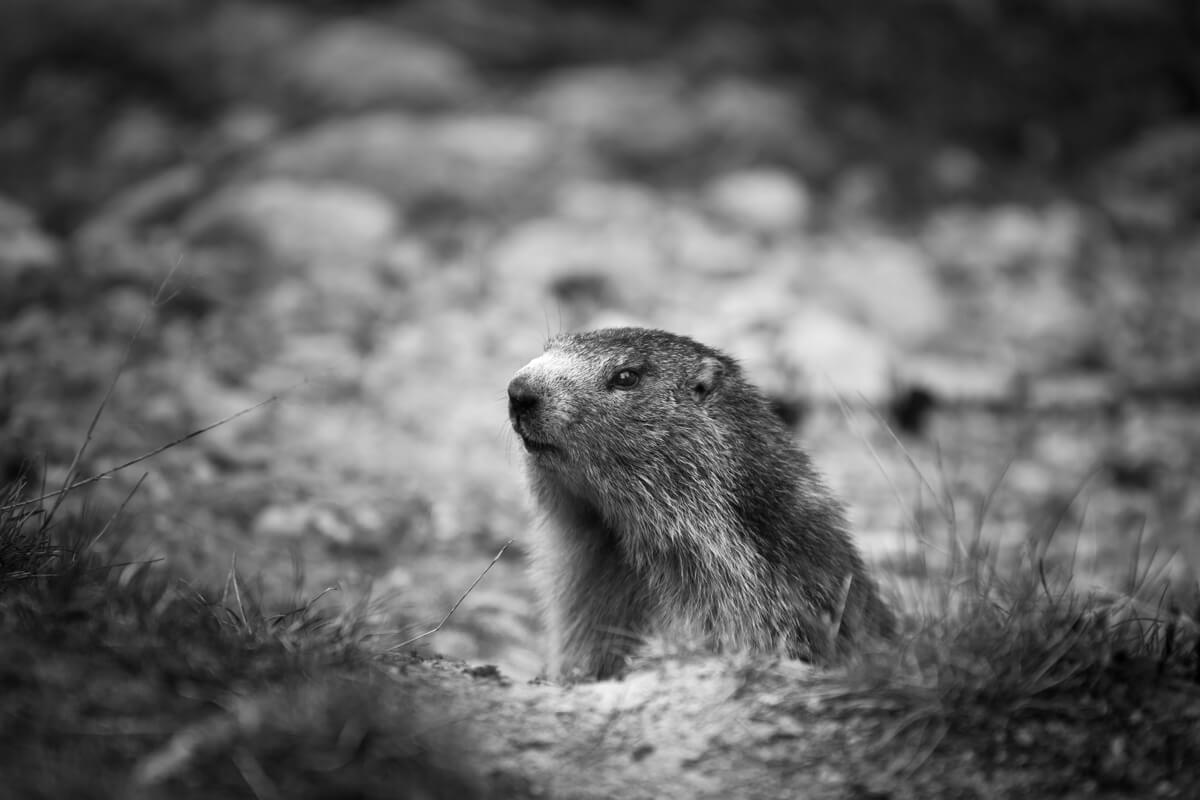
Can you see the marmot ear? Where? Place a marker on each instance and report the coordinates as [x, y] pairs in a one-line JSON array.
[[706, 378]]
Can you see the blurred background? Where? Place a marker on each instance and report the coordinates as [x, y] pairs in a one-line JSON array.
[[956, 241]]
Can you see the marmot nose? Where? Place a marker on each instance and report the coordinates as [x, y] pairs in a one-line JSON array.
[[522, 399]]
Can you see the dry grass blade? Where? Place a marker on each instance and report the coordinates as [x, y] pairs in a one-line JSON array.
[[69, 479], [851, 420], [457, 602], [143, 457], [69, 482], [120, 510], [233, 581], [72, 470]]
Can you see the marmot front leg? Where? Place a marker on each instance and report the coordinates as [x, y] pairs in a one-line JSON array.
[[598, 609]]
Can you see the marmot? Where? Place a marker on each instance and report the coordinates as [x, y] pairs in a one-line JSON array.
[[674, 498]]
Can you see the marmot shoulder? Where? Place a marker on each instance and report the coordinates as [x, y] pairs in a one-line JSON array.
[[674, 498]]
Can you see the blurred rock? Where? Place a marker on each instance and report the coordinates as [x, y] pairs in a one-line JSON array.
[[1013, 267], [125, 309], [1046, 321], [489, 146], [760, 301], [755, 346], [29, 329], [1079, 391], [131, 238], [959, 379], [294, 521], [981, 243], [639, 114], [408, 261], [627, 238], [723, 47], [955, 169], [246, 126], [534, 258], [698, 246], [651, 116], [310, 225], [678, 234], [768, 201], [859, 193], [483, 161], [328, 363], [157, 200], [756, 123], [1150, 186], [251, 40], [25, 251], [884, 281], [139, 138], [836, 357], [355, 65], [603, 202]]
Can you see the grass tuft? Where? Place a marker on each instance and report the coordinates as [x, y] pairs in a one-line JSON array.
[[156, 688], [1005, 661], [26, 552]]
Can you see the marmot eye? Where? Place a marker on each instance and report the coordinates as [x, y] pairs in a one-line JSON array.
[[624, 379]]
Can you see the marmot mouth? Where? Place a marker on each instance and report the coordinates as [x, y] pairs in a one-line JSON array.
[[532, 443], [534, 446]]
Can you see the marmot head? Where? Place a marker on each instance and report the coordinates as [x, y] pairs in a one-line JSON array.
[[634, 400]]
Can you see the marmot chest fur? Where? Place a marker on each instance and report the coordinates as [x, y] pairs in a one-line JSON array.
[[674, 498]]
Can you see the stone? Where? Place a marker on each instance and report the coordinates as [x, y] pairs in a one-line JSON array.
[[701, 247], [763, 200], [984, 242], [885, 281], [355, 65], [130, 238], [836, 357], [958, 379], [541, 254], [297, 223], [757, 123], [624, 112], [29, 260], [24, 247], [483, 161], [139, 138]]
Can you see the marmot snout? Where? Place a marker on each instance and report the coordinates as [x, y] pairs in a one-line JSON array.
[[524, 406], [675, 499]]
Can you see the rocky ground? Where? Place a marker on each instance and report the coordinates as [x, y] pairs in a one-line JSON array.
[[981, 325]]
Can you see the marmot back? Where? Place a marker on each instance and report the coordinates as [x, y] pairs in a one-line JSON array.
[[675, 498]]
